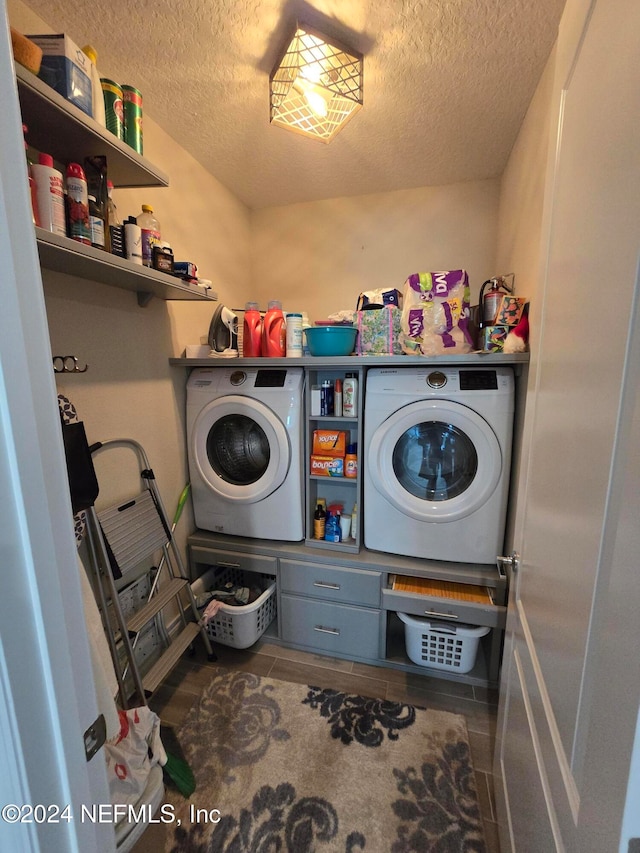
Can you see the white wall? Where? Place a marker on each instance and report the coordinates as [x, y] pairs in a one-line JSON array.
[[519, 239], [319, 256]]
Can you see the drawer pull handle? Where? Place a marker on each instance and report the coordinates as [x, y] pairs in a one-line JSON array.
[[226, 565], [441, 615], [325, 585], [326, 630]]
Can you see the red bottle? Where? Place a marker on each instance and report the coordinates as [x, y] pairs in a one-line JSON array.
[[252, 331], [274, 337]]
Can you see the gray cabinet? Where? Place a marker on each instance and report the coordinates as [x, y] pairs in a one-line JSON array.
[[344, 604]]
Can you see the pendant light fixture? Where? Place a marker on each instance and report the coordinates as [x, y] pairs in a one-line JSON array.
[[316, 87]]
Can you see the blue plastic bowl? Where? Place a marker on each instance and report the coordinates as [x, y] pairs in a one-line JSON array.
[[331, 340]]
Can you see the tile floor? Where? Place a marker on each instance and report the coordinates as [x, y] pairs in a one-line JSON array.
[[173, 700]]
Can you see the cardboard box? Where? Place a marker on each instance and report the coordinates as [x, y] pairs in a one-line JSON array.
[[329, 442], [66, 69], [327, 466]]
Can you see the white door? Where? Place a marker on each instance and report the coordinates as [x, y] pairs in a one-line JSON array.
[[47, 695], [571, 673]]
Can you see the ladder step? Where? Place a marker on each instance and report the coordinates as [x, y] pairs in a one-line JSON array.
[[170, 658], [155, 604]]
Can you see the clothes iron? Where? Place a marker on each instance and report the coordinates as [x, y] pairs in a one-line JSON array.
[[223, 333]]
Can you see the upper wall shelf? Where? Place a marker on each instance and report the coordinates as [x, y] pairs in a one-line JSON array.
[[68, 256], [474, 359], [59, 128]]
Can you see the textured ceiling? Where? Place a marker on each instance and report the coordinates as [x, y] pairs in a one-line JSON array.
[[446, 85]]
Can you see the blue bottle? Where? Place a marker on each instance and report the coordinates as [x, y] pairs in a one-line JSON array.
[[332, 528]]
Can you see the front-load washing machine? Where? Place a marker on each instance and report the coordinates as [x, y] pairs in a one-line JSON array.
[[437, 461], [245, 447]]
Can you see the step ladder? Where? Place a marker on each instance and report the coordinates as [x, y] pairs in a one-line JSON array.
[[120, 538]]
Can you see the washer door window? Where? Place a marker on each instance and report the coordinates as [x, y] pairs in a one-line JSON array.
[[241, 448], [435, 460]]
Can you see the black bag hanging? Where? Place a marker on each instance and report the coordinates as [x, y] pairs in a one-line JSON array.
[[83, 483]]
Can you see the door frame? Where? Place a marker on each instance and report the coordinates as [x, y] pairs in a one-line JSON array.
[[47, 693]]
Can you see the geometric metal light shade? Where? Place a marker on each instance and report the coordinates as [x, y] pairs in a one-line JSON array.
[[316, 87]]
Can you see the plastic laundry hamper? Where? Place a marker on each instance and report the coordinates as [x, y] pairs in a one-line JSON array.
[[239, 626], [440, 645]]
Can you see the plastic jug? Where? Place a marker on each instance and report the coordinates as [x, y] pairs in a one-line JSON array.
[[274, 339], [252, 331]]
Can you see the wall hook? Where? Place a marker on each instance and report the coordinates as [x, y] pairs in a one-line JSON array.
[[67, 364]]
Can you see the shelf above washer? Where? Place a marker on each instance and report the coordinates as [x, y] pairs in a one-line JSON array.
[[61, 129]]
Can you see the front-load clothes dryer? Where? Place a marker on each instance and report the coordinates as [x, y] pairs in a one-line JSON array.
[[437, 461], [245, 448]]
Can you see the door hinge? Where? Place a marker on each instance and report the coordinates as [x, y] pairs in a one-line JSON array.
[[511, 562], [94, 737]]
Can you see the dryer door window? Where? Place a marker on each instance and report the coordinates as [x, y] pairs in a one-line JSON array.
[[238, 450], [241, 448], [435, 460]]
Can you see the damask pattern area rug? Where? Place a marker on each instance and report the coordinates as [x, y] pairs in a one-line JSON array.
[[286, 768]]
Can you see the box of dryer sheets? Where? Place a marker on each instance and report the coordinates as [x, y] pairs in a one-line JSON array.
[[329, 442], [66, 69]]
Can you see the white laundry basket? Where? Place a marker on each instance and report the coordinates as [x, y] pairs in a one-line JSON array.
[[239, 626], [441, 645]]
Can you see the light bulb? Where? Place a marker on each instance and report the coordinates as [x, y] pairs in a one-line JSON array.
[[317, 97]]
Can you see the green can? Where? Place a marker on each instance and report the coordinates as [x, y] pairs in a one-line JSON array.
[[132, 100], [113, 111]]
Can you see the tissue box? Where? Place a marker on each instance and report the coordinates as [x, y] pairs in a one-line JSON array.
[[378, 331], [66, 69], [493, 337], [509, 311]]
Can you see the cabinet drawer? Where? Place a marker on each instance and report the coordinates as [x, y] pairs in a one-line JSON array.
[[204, 558], [335, 628], [448, 609], [352, 586]]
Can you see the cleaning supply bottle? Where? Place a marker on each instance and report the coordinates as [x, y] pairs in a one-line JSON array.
[[350, 396], [337, 398], [116, 229], [96, 223], [354, 522], [150, 233], [252, 331], [332, 528], [294, 335], [319, 519], [133, 241], [97, 98], [274, 341], [351, 462], [77, 204], [50, 189]]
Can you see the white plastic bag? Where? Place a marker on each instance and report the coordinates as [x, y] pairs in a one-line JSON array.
[[132, 754], [435, 314]]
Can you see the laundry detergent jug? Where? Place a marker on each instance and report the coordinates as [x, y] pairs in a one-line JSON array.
[[252, 331], [274, 334]]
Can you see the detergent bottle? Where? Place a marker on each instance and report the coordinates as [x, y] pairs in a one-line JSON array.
[[274, 335], [252, 331]]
